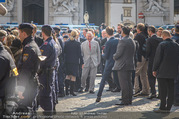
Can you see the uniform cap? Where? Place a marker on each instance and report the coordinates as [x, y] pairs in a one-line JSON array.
[[65, 36], [25, 25], [47, 27]]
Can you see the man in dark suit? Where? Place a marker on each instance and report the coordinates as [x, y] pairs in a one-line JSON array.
[[176, 39], [124, 64], [151, 47], [165, 68], [110, 49]]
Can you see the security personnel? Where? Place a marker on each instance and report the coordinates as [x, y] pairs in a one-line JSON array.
[[47, 73], [7, 65], [28, 66]]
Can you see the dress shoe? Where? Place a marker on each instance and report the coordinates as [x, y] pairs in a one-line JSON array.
[[86, 90], [61, 95], [151, 96], [80, 90], [116, 90], [161, 111], [98, 99], [110, 89], [92, 92], [123, 103], [140, 94]]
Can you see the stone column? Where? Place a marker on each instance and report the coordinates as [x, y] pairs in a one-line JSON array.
[[81, 7], [46, 11], [19, 11], [171, 11]]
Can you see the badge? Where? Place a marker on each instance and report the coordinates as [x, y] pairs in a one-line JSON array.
[[25, 57], [42, 51], [15, 72]]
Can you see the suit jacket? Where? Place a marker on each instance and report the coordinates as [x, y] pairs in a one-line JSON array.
[[151, 47], [109, 51], [176, 38], [166, 59], [124, 56], [93, 55]]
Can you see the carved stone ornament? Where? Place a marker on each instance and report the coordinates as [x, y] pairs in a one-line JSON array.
[[63, 6], [154, 6]]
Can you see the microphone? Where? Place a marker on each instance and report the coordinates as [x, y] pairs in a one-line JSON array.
[[3, 10]]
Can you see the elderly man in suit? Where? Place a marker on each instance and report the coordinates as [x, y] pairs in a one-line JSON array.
[[124, 64], [110, 49], [91, 57]]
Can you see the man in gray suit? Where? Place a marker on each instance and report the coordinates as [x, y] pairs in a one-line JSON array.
[[91, 56], [124, 64]]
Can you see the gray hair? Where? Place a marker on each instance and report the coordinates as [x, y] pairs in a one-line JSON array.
[[89, 32]]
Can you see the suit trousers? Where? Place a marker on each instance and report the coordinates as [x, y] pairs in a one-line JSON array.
[[125, 81], [105, 77], [177, 89], [141, 70], [92, 71], [166, 90], [151, 79]]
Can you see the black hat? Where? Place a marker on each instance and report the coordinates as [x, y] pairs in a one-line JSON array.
[[16, 43], [25, 25], [56, 28], [69, 31], [65, 36]]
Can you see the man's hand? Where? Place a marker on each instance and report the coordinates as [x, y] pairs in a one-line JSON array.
[[154, 73], [82, 66]]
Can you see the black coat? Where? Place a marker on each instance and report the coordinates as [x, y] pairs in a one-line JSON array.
[[72, 52], [166, 59], [151, 47]]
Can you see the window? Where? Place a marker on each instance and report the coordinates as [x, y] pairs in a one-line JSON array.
[[127, 11], [127, 1]]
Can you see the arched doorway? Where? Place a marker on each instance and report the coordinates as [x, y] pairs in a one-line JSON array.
[[95, 10], [33, 10]]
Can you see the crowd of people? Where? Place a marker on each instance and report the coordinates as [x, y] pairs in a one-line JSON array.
[[59, 64]]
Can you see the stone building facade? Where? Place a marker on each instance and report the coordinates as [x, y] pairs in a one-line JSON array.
[[112, 12]]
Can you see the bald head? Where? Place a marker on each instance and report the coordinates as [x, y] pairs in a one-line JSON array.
[[166, 34]]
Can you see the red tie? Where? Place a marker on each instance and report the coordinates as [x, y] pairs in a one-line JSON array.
[[90, 45]]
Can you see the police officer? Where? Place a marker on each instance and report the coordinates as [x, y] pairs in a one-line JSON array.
[[7, 65], [47, 74], [28, 66]]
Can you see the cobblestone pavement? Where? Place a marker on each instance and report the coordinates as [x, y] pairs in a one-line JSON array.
[[84, 104]]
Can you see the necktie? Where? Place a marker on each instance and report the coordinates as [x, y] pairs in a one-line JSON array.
[[90, 45]]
